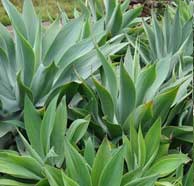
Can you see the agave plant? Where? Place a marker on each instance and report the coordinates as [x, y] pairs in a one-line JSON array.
[[37, 60], [171, 36], [111, 16], [147, 163], [137, 95]]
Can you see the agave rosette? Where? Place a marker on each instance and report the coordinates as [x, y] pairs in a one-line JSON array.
[[38, 60]]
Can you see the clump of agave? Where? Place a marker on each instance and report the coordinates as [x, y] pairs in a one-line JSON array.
[[102, 99]]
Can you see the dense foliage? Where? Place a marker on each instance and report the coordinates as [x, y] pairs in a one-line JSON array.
[[100, 99]]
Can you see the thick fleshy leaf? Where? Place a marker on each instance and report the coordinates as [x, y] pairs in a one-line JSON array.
[[76, 166], [148, 181], [129, 157], [163, 102], [9, 125], [113, 177], [57, 177], [110, 75], [142, 150], [33, 153], [144, 80], [58, 132], [188, 180], [109, 8], [106, 100], [43, 80], [152, 146], [87, 64], [27, 58], [21, 167], [77, 130], [32, 122], [125, 5], [140, 115], [131, 175], [10, 182], [30, 20], [167, 164], [104, 153], [89, 151], [69, 34], [15, 17], [130, 15], [183, 133], [49, 36], [23, 90], [115, 22], [47, 126], [127, 95], [162, 71]]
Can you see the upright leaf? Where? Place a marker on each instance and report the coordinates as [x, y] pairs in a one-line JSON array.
[[152, 146], [144, 80], [127, 95], [58, 132], [106, 100], [47, 126], [32, 122], [15, 17], [115, 23], [76, 166], [113, 177], [104, 153], [110, 75]]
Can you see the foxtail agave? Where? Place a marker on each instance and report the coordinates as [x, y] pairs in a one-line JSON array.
[[37, 60], [146, 163], [137, 95]]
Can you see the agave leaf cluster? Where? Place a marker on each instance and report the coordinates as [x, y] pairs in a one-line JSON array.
[[130, 93], [102, 99], [111, 15], [170, 36], [36, 60], [81, 165]]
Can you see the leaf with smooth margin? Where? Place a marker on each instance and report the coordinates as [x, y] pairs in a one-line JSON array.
[[106, 100], [20, 166], [115, 23], [163, 103], [162, 71], [43, 80], [58, 132], [87, 64], [15, 17], [109, 8], [89, 151], [77, 130], [30, 20], [130, 15], [152, 146], [76, 166], [167, 164], [110, 75], [104, 153], [113, 177], [32, 122], [10, 182], [127, 95], [144, 81], [66, 38], [47, 126]]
